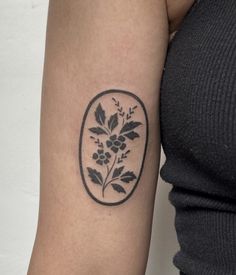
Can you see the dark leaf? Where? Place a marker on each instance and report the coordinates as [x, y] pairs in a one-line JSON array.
[[118, 188], [117, 172], [132, 135], [98, 130], [130, 126], [113, 121], [95, 176], [128, 176], [100, 114]]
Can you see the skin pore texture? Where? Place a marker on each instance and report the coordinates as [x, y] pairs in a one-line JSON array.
[[99, 137]]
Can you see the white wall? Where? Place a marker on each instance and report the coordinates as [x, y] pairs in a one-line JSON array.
[[22, 38]]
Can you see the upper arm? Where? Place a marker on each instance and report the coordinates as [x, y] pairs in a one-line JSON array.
[[86, 227], [177, 9]]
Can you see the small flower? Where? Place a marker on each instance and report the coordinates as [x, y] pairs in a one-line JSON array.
[[101, 157], [115, 143]]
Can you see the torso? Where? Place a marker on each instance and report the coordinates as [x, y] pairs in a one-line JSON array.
[[198, 135]]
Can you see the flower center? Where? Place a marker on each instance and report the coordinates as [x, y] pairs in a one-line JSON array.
[[102, 157], [117, 143]]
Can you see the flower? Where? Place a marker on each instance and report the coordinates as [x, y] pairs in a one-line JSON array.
[[101, 157], [115, 143]]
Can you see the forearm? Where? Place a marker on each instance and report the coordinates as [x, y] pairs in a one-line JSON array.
[[87, 227]]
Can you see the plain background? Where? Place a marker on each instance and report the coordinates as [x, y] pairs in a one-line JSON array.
[[22, 39]]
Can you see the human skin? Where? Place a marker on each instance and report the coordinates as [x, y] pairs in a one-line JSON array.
[[92, 47]]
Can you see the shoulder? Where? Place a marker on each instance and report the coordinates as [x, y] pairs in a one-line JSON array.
[[177, 9]]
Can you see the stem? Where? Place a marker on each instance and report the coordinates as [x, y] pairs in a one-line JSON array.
[[104, 183], [107, 169], [108, 173], [111, 181], [103, 191], [108, 131]]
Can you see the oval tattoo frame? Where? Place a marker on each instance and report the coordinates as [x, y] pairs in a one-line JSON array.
[[129, 133]]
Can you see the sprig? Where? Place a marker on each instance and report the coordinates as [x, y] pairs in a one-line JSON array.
[[130, 112], [113, 134], [98, 142], [119, 107], [123, 156]]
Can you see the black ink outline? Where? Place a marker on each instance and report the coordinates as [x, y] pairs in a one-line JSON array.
[[111, 91]]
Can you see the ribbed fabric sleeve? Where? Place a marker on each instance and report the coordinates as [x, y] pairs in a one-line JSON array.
[[198, 135]]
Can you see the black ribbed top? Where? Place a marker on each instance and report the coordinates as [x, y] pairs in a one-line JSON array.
[[198, 135]]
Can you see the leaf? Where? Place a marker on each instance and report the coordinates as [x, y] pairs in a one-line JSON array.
[[129, 126], [95, 176], [98, 130], [100, 114], [128, 176], [117, 172], [132, 135], [118, 188], [113, 121]]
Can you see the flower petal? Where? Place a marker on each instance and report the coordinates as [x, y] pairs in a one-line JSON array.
[[99, 162], [121, 138], [107, 154], [100, 151], [95, 156], [109, 143], [114, 149], [113, 137], [122, 147]]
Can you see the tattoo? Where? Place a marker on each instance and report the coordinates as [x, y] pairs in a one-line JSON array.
[[114, 130]]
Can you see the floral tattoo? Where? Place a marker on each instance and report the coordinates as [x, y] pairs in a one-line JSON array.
[[117, 121]]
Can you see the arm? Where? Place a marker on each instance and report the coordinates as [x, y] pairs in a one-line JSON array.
[[87, 224], [176, 10]]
